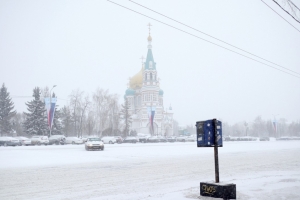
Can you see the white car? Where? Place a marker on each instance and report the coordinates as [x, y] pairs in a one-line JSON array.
[[73, 140], [94, 143], [109, 139], [24, 141], [38, 140]]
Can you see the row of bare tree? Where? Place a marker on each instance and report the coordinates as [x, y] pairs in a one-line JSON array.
[[83, 115]]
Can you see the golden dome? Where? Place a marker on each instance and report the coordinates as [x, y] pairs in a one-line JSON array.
[[149, 38], [137, 80]]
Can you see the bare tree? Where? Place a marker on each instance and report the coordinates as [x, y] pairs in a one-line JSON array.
[[83, 108], [75, 104]]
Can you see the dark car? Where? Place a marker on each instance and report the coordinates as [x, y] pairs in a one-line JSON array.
[[57, 139], [8, 141], [143, 139], [130, 140]]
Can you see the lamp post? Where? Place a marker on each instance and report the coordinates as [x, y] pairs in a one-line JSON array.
[[50, 127]]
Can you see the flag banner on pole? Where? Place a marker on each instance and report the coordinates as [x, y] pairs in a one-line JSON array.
[[151, 114], [50, 106]]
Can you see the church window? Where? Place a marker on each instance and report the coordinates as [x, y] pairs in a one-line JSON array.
[[150, 76], [145, 76], [154, 77], [147, 97], [154, 97]]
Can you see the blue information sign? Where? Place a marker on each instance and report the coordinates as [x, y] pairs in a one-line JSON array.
[[206, 133]]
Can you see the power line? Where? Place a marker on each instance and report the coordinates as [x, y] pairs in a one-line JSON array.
[[213, 37], [203, 39], [286, 10], [281, 16], [15, 96]]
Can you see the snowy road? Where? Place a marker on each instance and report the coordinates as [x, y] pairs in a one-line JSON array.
[[261, 170]]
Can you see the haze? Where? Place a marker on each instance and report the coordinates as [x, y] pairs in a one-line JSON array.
[[91, 44]]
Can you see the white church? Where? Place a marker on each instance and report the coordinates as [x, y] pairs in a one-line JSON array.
[[145, 100]]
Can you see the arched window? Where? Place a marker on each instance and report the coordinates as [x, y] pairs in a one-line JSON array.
[[150, 76], [145, 76]]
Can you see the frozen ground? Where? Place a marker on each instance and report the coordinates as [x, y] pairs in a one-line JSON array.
[[261, 170]]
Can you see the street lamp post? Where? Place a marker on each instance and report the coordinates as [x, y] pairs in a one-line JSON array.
[[50, 127]]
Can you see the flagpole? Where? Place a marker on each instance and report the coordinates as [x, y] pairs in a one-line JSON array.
[[50, 123]]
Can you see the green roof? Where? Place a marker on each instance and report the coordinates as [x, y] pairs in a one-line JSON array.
[[130, 92], [148, 59], [161, 92]]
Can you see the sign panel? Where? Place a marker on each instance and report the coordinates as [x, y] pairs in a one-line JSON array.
[[206, 133]]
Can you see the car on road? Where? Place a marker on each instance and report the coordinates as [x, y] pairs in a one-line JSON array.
[[8, 141], [39, 140], [24, 141], [130, 139], [94, 143], [109, 139], [73, 140], [57, 139]]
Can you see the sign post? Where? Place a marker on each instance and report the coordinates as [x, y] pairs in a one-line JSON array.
[[209, 134]]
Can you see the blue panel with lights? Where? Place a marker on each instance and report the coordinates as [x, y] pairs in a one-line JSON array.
[[206, 133]]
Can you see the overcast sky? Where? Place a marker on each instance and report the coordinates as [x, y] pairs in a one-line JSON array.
[[89, 44]]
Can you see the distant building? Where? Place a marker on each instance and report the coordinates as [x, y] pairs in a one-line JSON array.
[[145, 99]]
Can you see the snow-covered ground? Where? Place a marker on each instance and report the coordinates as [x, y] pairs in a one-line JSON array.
[[260, 170]]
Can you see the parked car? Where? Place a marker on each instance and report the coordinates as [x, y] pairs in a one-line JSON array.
[[171, 139], [8, 141], [57, 139], [153, 139], [264, 139], [24, 141], [109, 140], [130, 139], [162, 139], [39, 140], [73, 140], [84, 139], [142, 137], [119, 139], [181, 138], [190, 139], [94, 143]]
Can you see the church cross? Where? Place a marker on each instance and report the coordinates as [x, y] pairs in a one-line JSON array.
[[149, 27], [142, 58]]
